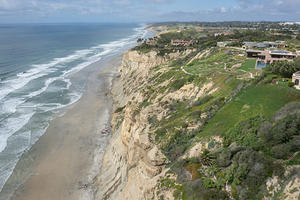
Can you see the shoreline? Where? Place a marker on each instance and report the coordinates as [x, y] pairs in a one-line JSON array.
[[64, 161]]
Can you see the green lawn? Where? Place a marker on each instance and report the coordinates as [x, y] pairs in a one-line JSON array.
[[248, 65], [256, 100]]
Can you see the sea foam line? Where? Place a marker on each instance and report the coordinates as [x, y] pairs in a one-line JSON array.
[[38, 71], [89, 56]]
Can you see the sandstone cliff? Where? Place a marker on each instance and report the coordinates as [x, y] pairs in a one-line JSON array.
[[132, 164]]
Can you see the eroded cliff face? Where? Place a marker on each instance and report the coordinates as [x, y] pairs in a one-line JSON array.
[[132, 164]]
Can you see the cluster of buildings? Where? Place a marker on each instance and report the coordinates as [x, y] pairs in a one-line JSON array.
[[267, 57], [247, 45], [226, 32], [281, 44], [182, 42], [271, 55], [265, 52]]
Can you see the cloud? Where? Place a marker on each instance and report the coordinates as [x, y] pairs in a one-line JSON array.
[[274, 6], [160, 1], [245, 10], [150, 10], [12, 7]]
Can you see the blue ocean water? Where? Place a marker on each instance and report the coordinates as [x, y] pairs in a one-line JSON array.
[[36, 65]]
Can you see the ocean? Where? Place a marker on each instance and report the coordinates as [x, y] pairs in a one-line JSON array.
[[37, 62]]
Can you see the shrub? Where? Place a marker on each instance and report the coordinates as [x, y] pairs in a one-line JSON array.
[[223, 158], [120, 109], [291, 84], [177, 84], [207, 158], [245, 133], [202, 100], [214, 194], [283, 68], [281, 151]]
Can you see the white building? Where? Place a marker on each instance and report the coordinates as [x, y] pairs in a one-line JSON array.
[[296, 80], [223, 44]]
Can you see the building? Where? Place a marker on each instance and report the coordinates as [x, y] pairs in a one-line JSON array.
[[276, 44], [181, 42], [254, 45], [251, 53], [266, 57], [223, 33], [223, 44], [283, 55], [280, 44], [274, 55], [296, 80]]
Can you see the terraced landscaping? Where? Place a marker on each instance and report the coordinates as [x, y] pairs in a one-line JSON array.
[[218, 60]]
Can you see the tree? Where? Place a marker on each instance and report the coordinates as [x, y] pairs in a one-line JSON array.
[[297, 62], [140, 40], [284, 68]]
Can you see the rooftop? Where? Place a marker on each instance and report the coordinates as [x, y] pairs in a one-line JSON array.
[[257, 44], [254, 51], [297, 73], [282, 52]]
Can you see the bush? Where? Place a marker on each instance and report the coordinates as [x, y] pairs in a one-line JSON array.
[[214, 194], [281, 151], [202, 100], [177, 84], [207, 158], [120, 109], [223, 158], [245, 133], [284, 68], [291, 84]]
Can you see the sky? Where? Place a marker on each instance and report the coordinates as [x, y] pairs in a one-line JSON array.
[[64, 11]]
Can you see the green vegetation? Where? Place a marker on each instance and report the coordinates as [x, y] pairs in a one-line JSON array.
[[217, 60], [284, 68], [120, 109], [262, 100], [256, 118], [248, 65], [279, 139], [295, 160]]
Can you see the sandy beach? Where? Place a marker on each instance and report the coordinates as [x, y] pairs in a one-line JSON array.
[[65, 160]]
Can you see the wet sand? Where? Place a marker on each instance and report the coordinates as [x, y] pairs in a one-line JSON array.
[[65, 160]]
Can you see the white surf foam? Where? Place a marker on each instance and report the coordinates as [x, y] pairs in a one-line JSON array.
[[90, 56], [37, 71], [42, 72], [11, 125]]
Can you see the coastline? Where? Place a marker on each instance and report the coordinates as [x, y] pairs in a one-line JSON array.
[[65, 160]]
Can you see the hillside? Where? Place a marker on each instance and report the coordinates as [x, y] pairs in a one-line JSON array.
[[201, 123]]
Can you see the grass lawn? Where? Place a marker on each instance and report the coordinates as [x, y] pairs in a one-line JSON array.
[[248, 65], [256, 100]]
